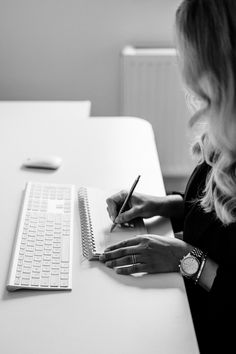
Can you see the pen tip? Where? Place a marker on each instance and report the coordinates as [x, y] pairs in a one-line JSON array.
[[112, 227]]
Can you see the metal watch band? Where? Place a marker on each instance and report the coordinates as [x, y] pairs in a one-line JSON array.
[[201, 256], [200, 269], [196, 252]]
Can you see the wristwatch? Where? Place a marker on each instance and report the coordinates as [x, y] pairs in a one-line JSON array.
[[192, 264]]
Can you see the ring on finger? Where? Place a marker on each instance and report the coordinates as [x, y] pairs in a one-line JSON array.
[[134, 267], [134, 261]]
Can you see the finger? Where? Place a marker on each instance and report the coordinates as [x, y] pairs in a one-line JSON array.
[[108, 210], [119, 253], [124, 261], [110, 214], [135, 268], [128, 215], [126, 243], [119, 198], [114, 202], [112, 208]]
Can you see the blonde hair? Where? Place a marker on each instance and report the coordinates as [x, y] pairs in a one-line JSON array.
[[206, 32]]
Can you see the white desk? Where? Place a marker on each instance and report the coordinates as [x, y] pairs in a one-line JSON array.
[[38, 109], [105, 312]]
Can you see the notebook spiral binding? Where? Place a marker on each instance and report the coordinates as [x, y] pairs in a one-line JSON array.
[[87, 233]]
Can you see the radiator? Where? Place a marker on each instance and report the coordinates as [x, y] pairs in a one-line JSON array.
[[151, 89]]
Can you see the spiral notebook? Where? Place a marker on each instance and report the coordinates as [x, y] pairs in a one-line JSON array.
[[96, 223]]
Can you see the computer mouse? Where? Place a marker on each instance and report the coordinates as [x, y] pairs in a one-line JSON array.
[[46, 162]]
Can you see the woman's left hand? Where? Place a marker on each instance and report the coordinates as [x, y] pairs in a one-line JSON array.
[[146, 253]]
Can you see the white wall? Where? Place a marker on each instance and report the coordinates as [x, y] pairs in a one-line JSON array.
[[69, 49]]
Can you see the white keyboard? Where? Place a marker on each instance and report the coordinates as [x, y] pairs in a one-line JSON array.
[[42, 256]]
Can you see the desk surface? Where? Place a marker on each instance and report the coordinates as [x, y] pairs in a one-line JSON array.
[[105, 312]]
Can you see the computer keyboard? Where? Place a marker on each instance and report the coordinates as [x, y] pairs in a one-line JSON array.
[[42, 256]]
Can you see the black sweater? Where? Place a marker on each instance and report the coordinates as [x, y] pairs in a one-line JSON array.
[[213, 312]]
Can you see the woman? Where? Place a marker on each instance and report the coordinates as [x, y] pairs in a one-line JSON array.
[[206, 38]]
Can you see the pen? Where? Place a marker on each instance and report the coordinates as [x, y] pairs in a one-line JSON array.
[[126, 201]]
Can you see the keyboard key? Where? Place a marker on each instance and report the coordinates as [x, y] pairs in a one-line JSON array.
[[35, 281], [17, 281], [64, 283], [44, 282], [25, 281], [64, 277], [54, 281]]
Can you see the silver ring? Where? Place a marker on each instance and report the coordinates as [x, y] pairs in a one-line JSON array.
[[134, 263], [134, 259]]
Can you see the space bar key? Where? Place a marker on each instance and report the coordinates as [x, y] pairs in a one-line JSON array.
[[65, 249]]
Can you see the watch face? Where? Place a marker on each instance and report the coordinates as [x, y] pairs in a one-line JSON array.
[[190, 265]]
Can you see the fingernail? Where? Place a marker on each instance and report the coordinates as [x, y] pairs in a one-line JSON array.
[[102, 258], [105, 256], [118, 220]]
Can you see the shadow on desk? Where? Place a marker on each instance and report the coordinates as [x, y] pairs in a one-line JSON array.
[[38, 170], [141, 280], [25, 293], [157, 226]]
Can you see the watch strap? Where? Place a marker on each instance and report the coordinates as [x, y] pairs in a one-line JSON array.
[[196, 252], [203, 261]]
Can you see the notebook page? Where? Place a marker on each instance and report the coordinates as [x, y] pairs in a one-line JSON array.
[[102, 223]]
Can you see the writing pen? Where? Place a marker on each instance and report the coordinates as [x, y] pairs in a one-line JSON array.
[[126, 201]]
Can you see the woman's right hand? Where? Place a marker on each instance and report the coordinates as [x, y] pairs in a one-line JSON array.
[[140, 205]]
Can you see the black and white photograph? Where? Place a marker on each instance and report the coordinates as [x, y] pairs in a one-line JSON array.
[[118, 176]]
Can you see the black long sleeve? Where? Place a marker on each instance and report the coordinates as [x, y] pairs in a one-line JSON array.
[[214, 311]]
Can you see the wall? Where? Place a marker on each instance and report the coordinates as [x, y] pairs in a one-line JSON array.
[[69, 49]]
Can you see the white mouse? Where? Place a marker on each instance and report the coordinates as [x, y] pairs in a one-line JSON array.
[[46, 162]]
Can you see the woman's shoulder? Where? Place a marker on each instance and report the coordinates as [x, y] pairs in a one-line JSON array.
[[197, 180], [201, 170]]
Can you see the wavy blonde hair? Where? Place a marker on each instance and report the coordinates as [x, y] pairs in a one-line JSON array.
[[206, 36]]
